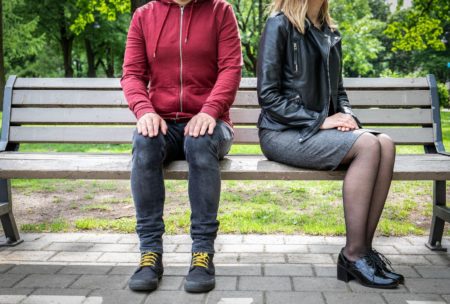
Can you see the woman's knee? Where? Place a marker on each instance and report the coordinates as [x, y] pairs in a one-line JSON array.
[[386, 143], [368, 144]]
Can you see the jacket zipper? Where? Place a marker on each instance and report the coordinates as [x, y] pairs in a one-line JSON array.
[[181, 58], [296, 57]]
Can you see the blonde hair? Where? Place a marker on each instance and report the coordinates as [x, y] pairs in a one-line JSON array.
[[295, 11]]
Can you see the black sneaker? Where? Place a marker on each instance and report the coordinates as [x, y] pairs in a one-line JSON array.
[[201, 276], [150, 271]]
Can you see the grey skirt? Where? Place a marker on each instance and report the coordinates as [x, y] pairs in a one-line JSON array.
[[325, 150]]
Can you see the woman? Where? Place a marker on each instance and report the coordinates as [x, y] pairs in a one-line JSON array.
[[307, 121]]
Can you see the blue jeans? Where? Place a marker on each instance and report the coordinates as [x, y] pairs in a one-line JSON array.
[[147, 182]]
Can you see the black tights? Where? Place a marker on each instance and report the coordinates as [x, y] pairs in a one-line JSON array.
[[366, 186]]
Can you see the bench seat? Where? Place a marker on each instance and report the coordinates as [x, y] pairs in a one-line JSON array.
[[233, 167]]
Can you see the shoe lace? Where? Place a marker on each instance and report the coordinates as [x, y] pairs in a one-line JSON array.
[[200, 259], [381, 259], [148, 259]]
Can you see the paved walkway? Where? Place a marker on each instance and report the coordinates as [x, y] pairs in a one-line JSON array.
[[94, 268]]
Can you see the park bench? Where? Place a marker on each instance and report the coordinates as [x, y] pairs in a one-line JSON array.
[[43, 110]]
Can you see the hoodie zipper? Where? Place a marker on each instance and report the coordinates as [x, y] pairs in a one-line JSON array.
[[181, 58]]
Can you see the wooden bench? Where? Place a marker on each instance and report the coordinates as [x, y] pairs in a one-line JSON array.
[[95, 111]]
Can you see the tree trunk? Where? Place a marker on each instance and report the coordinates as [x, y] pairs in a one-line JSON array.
[[90, 55], [136, 3], [66, 40], [2, 63], [109, 62]]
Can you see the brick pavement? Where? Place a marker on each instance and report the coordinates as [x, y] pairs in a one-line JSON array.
[[251, 269]]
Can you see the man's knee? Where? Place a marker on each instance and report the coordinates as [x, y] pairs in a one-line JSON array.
[[148, 151], [200, 150]]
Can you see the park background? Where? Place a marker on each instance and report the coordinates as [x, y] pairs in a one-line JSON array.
[[86, 38]]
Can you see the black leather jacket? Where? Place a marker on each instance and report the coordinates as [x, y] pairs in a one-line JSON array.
[[299, 77]]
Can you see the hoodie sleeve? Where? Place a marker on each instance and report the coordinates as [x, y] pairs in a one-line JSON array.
[[229, 67], [135, 77]]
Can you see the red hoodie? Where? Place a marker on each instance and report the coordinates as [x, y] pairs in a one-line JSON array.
[[191, 55]]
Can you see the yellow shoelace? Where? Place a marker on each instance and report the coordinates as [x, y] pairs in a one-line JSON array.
[[200, 259], [148, 259]]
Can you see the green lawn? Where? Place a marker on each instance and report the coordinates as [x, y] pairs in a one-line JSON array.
[[313, 207]]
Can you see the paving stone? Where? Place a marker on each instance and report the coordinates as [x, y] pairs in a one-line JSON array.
[[177, 239], [433, 272], [65, 256], [229, 239], [298, 270], [304, 239], [238, 269], [286, 248], [242, 248], [170, 283], [62, 237], [8, 280], [440, 259], [257, 258], [383, 240], [421, 240], [28, 255], [69, 246], [16, 291], [11, 299], [411, 260], [396, 298], [168, 248], [112, 247], [5, 267], [335, 240], [446, 298], [36, 269], [4, 256], [43, 299], [184, 258], [180, 270], [120, 257], [171, 297], [414, 249], [222, 257], [263, 239], [325, 248], [264, 283], [352, 298], [325, 270], [234, 297], [435, 286], [226, 283], [387, 249], [129, 239], [127, 270], [47, 281], [100, 238], [322, 284], [309, 258], [119, 296], [274, 297], [61, 292], [85, 269], [100, 282], [31, 245]]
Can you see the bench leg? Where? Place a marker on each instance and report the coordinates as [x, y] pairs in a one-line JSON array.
[[440, 214], [6, 215]]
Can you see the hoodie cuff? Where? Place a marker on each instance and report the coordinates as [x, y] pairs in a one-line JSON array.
[[211, 111], [142, 111]]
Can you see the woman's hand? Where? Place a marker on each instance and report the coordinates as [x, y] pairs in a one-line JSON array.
[[150, 123], [342, 122]]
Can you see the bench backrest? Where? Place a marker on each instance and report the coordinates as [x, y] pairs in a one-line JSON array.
[[80, 110]]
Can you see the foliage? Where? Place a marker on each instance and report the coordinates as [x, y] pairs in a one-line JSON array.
[[444, 98]]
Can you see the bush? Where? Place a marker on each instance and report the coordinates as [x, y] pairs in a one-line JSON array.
[[444, 98]]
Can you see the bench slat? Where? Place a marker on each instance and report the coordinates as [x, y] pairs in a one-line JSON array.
[[246, 83], [92, 98], [238, 116], [123, 135], [117, 166]]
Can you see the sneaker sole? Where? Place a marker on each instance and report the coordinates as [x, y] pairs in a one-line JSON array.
[[197, 287], [143, 286]]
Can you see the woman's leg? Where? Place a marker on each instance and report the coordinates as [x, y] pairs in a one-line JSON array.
[[382, 185], [363, 160]]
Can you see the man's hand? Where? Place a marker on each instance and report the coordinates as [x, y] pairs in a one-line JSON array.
[[342, 122], [150, 123], [199, 124]]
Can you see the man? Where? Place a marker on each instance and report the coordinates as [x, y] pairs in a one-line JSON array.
[[190, 53]]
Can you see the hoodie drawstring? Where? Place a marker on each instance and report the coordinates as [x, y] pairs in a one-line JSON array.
[[160, 29]]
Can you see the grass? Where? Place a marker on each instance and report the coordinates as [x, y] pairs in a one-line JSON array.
[[310, 207]]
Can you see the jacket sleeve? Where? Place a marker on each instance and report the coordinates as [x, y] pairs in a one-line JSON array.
[[272, 51], [342, 98], [135, 77], [229, 62]]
